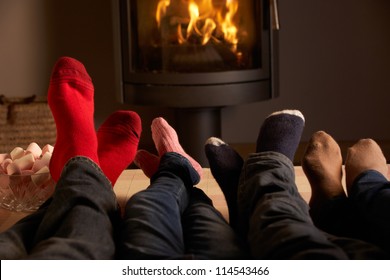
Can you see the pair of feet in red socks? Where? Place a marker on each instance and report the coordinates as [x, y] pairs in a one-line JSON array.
[[114, 146]]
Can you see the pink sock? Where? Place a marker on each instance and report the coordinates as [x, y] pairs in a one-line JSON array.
[[118, 139], [166, 140], [71, 100]]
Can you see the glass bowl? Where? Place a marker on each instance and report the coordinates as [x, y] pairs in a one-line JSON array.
[[25, 192]]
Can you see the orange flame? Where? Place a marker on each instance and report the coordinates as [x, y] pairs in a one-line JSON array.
[[203, 20], [228, 27], [161, 10]]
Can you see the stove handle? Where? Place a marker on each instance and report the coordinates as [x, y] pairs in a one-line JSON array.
[[274, 14]]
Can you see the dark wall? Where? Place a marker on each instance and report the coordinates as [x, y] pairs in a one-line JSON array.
[[334, 62], [334, 66]]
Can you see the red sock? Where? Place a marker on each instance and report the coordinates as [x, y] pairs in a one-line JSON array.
[[118, 139], [71, 100], [147, 162]]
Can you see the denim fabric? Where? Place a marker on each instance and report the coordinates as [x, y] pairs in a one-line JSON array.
[[207, 235], [370, 198], [275, 218], [78, 223], [171, 219], [16, 242]]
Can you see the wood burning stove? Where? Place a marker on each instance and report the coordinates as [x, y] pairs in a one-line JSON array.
[[198, 56]]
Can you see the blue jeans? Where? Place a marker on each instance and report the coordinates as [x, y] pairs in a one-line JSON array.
[[76, 223], [370, 199], [276, 221], [171, 219]]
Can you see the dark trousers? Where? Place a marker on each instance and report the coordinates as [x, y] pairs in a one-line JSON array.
[[276, 221], [76, 223], [170, 219], [173, 219], [370, 200]]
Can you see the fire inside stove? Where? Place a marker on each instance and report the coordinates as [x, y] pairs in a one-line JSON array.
[[196, 36]]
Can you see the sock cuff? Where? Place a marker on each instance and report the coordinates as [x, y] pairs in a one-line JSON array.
[[288, 112], [214, 141]]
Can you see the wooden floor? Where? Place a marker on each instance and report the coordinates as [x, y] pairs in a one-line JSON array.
[[133, 180]]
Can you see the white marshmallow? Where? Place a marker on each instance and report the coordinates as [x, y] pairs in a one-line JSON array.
[[4, 157], [5, 163], [34, 149], [27, 172], [26, 162], [13, 169], [41, 176], [41, 162], [47, 148], [16, 153]]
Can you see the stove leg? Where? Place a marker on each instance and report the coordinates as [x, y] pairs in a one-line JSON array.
[[194, 126]]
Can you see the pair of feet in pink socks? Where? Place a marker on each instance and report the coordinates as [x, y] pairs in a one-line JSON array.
[[114, 146]]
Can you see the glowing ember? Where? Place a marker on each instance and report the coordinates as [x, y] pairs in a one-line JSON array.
[[200, 20]]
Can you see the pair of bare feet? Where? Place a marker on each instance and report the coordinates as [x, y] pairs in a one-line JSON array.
[[322, 164]]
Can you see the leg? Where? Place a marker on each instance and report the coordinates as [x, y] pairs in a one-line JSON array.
[[207, 235], [16, 242], [118, 139], [225, 165], [279, 226], [152, 226], [71, 100], [204, 227], [330, 208], [166, 140], [275, 216], [78, 223], [369, 190]]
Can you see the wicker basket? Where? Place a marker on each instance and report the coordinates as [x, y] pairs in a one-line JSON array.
[[25, 120]]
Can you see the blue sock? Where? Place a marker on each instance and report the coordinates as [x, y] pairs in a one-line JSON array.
[[281, 132]]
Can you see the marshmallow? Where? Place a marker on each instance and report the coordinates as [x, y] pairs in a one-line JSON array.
[[13, 169], [27, 172], [25, 162], [4, 157], [16, 153], [33, 161], [5, 163], [43, 161], [47, 148], [34, 149], [41, 176]]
